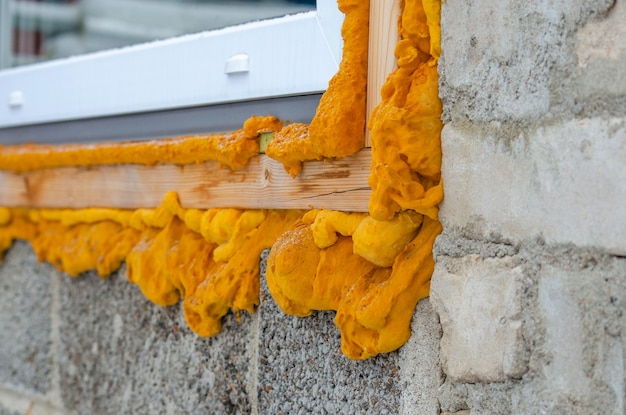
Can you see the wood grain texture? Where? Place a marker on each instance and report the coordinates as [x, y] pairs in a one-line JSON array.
[[383, 36], [332, 184]]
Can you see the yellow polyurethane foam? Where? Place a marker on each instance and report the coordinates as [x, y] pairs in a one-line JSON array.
[[338, 128], [233, 149], [372, 269], [209, 259]]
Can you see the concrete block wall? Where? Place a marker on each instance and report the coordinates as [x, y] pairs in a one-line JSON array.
[[92, 346], [530, 278], [526, 314]]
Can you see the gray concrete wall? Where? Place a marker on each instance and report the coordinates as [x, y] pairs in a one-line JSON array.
[[526, 314], [93, 346], [530, 281]]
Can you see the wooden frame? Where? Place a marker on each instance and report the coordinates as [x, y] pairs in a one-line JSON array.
[[263, 183], [339, 185]]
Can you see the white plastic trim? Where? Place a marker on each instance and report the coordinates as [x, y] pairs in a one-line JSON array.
[[287, 56], [237, 64]]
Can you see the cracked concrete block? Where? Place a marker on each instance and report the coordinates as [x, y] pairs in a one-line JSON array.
[[25, 325], [563, 182], [121, 354], [479, 306], [301, 368]]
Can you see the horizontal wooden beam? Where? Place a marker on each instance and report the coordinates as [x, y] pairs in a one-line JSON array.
[[263, 184]]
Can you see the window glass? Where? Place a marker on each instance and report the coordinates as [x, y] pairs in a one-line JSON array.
[[38, 30]]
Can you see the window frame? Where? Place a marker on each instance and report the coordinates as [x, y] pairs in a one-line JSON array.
[[290, 56]]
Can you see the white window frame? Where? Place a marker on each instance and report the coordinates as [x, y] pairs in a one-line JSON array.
[[291, 56]]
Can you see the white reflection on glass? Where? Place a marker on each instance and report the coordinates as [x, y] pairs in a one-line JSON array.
[[38, 30]]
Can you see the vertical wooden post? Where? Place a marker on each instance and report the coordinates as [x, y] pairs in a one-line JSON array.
[[383, 36]]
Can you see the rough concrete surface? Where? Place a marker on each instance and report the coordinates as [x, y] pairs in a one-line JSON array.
[[506, 60], [603, 39], [573, 329], [113, 352], [5, 411], [14, 401], [530, 283], [479, 305], [598, 84], [301, 369], [25, 310], [121, 354], [581, 303], [534, 150], [562, 182], [420, 372]]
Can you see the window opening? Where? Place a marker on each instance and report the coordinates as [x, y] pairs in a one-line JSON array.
[[282, 58], [39, 30]]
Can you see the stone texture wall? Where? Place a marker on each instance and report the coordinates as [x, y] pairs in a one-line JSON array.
[[530, 281], [526, 314], [92, 346]]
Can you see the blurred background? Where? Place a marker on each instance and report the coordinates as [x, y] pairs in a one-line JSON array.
[[38, 30]]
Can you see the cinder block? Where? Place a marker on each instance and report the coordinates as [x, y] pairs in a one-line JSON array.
[[420, 371], [489, 71], [301, 368], [584, 326], [564, 332], [479, 306], [121, 354], [601, 53], [563, 182], [505, 60], [25, 309]]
